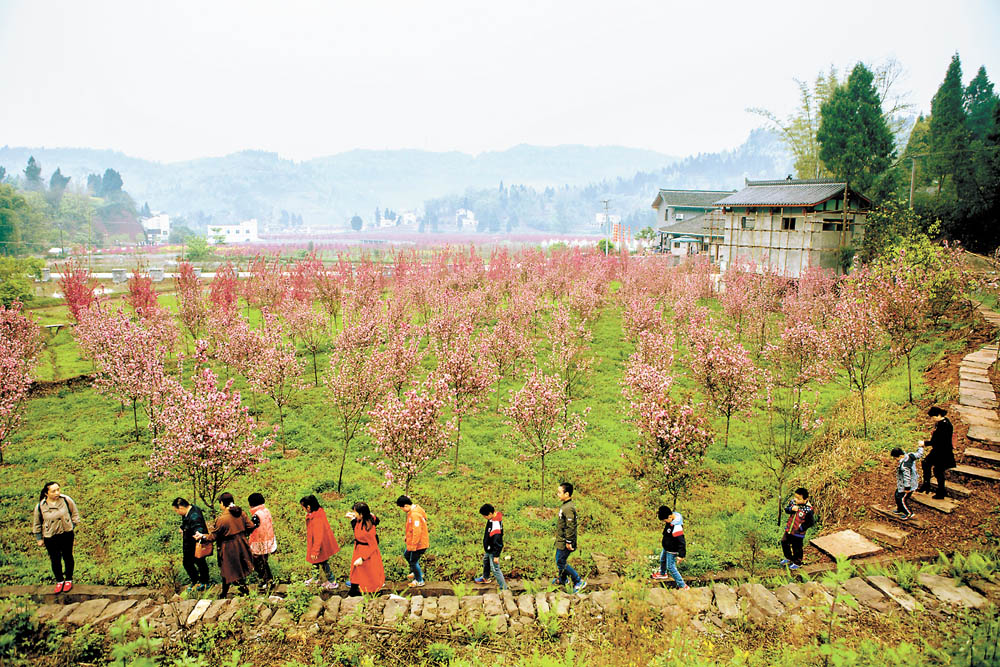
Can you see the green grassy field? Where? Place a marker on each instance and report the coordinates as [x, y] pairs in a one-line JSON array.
[[129, 532]]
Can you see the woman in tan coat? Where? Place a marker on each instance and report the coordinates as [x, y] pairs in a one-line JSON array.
[[55, 516], [230, 536]]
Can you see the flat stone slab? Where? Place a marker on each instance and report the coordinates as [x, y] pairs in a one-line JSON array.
[[313, 611], [953, 489], [331, 608], [977, 365], [214, 611], [394, 610], [726, 601], [966, 399], [884, 533], [984, 454], [979, 413], [88, 612], [694, 600], [763, 605], [198, 612], [914, 522], [983, 389], [114, 610], [429, 612], [891, 590], [945, 505], [868, 596], [447, 607], [978, 473], [845, 543], [986, 588], [984, 433], [948, 590], [526, 605]]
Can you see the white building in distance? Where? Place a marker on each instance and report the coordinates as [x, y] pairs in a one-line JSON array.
[[157, 228], [245, 232]]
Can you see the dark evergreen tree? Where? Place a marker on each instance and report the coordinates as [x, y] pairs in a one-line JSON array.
[[146, 213], [949, 136], [357, 223], [57, 186], [3, 173], [94, 184], [111, 183], [979, 101], [33, 176], [855, 142]]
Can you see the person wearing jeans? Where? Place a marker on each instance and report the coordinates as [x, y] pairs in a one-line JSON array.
[[674, 546], [54, 519], [492, 546], [566, 538], [416, 538]]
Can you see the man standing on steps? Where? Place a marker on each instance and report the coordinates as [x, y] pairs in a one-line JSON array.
[[941, 456], [566, 538]]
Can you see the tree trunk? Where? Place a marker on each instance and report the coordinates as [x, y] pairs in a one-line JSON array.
[[543, 472], [909, 378], [315, 371], [343, 460], [135, 419], [864, 412], [458, 439], [728, 417]]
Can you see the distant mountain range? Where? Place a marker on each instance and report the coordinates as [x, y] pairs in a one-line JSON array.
[[329, 190]]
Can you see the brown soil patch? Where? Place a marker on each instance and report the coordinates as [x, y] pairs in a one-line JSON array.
[[331, 496], [46, 387], [544, 513]]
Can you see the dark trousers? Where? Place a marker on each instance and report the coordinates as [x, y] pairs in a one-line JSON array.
[[261, 567], [196, 568], [60, 548], [935, 469], [565, 569], [355, 591], [241, 586], [901, 502], [791, 547]]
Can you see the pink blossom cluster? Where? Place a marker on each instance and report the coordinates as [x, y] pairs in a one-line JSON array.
[[20, 344]]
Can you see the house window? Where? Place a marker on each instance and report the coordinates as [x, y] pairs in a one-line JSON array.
[[775, 211], [787, 224], [677, 245], [747, 222], [678, 216], [832, 226]]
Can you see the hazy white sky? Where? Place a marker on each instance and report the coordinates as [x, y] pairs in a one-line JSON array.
[[177, 80]]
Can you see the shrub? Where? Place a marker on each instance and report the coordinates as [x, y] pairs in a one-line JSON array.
[[439, 653], [86, 645]]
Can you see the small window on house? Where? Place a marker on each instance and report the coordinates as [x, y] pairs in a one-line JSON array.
[[746, 223], [678, 216], [787, 224], [830, 226], [677, 245]]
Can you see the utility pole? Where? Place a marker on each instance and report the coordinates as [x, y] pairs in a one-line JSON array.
[[607, 221]]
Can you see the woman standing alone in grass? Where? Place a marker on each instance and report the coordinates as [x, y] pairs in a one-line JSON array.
[[55, 516]]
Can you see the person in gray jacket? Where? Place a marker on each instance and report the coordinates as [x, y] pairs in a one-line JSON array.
[[566, 526], [55, 516], [907, 479]]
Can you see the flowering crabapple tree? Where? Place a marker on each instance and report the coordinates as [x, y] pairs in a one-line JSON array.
[[20, 344], [275, 370], [538, 414], [307, 327], [129, 356], [401, 356], [191, 300], [77, 286], [860, 340], [206, 438], [570, 345], [674, 438], [224, 291], [461, 367], [353, 385], [502, 348], [801, 359], [408, 433], [725, 372], [141, 295], [329, 289], [905, 306]]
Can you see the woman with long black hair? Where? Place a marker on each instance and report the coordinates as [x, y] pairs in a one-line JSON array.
[[55, 518], [367, 571]]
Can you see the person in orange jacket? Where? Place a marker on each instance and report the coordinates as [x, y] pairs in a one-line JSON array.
[[321, 543], [367, 571], [417, 538]]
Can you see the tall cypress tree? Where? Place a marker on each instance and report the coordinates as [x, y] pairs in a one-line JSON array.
[[855, 142], [979, 102], [949, 135], [33, 175]]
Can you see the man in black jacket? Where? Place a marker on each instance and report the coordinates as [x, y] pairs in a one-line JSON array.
[[492, 546], [674, 546], [941, 456]]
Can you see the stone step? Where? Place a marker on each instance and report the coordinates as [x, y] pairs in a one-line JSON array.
[[982, 389], [884, 533], [978, 473], [981, 365], [984, 454], [947, 590], [953, 489], [914, 522], [846, 543], [972, 401], [987, 434], [868, 595], [977, 415], [945, 505], [891, 589]]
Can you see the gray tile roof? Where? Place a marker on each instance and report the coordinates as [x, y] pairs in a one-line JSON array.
[[786, 193], [698, 225], [690, 198]]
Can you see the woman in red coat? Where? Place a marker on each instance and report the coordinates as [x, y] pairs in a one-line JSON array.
[[367, 573], [321, 543]]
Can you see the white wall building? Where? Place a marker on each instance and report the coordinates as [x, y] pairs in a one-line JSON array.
[[157, 228], [245, 232]]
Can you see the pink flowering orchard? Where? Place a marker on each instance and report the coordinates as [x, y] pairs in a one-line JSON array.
[[224, 291], [275, 371], [77, 286], [503, 347], [205, 438], [538, 414], [408, 433], [461, 367], [20, 344], [191, 300], [724, 371]]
